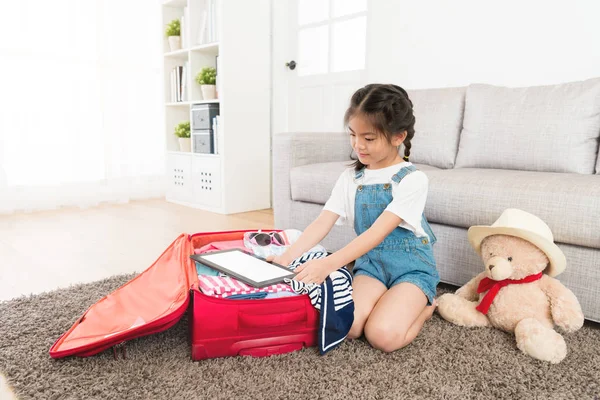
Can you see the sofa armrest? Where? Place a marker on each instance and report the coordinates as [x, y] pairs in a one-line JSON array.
[[294, 150], [303, 148]]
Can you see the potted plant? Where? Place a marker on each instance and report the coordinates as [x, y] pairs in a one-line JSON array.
[[173, 33], [206, 78], [182, 131]]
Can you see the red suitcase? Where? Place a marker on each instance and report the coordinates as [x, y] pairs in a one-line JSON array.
[[218, 327], [222, 327]]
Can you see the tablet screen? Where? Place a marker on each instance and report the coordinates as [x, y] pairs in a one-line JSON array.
[[245, 267]]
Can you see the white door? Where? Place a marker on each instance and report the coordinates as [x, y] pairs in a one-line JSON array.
[[319, 56]]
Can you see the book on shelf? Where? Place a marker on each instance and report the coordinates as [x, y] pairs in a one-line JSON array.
[[179, 84], [184, 79], [183, 21], [215, 127], [201, 38], [217, 81], [210, 20], [173, 86], [213, 21], [207, 29]]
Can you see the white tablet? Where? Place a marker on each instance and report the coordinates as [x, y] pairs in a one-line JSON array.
[[248, 268]]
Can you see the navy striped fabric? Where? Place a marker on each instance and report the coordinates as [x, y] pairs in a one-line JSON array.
[[333, 298], [306, 257]]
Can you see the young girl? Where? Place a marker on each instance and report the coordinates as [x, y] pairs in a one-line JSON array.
[[383, 197]]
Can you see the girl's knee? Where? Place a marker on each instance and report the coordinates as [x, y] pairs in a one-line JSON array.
[[356, 330], [384, 338], [358, 326]]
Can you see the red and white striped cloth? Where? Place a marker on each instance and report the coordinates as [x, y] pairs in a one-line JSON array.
[[224, 286]]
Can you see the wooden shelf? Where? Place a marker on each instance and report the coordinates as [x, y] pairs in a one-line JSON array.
[[215, 101], [201, 155], [213, 47], [182, 53], [189, 153], [187, 103], [178, 104]]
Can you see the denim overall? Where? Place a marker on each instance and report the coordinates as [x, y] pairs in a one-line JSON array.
[[401, 257]]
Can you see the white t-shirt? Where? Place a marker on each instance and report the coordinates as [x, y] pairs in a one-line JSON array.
[[408, 196]]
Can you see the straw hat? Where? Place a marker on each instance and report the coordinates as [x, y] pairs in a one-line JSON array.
[[526, 226]]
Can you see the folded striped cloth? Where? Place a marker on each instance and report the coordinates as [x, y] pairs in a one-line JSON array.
[[333, 298], [341, 282], [222, 287]]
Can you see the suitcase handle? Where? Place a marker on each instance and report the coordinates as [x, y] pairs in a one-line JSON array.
[[266, 351], [247, 320]]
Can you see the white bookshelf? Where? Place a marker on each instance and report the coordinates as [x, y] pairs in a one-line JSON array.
[[237, 179], [188, 103]]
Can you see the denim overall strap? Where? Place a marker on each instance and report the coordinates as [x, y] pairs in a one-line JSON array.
[[359, 174], [403, 172], [397, 178]]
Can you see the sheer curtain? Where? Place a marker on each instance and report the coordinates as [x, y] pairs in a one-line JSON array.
[[80, 103]]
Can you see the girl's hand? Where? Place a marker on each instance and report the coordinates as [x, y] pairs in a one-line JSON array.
[[281, 260], [313, 271]]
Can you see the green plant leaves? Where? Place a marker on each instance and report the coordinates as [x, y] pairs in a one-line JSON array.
[[207, 76], [182, 129], [173, 28]]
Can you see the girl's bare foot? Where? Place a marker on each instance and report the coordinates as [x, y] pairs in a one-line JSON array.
[[428, 311]]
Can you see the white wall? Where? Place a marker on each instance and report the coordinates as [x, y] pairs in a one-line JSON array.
[[437, 43], [441, 43], [279, 72]]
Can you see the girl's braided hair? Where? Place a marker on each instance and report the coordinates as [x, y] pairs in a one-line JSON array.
[[388, 108]]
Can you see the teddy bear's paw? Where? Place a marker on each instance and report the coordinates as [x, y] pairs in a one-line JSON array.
[[460, 311], [540, 342], [5, 391], [465, 293], [571, 324], [569, 319]]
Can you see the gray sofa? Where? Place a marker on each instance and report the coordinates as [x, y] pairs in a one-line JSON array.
[[484, 149]]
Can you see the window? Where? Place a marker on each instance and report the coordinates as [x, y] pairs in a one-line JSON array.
[[331, 36]]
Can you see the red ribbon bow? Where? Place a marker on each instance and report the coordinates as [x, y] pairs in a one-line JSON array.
[[495, 286]]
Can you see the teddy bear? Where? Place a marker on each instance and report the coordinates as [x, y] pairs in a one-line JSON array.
[[517, 291]]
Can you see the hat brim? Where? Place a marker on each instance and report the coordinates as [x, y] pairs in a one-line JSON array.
[[558, 261]]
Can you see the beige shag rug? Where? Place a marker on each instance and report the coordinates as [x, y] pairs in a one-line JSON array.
[[444, 362]]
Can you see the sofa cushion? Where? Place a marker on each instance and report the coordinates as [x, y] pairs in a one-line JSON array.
[[568, 203], [543, 128], [313, 183], [439, 115]]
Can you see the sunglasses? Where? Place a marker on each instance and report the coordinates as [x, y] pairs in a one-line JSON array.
[[265, 239]]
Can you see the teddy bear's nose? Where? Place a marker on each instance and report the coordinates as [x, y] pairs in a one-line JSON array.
[[491, 267]]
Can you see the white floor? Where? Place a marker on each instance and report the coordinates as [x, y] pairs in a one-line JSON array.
[[49, 250]]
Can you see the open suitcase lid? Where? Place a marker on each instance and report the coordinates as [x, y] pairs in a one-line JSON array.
[[151, 302]]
